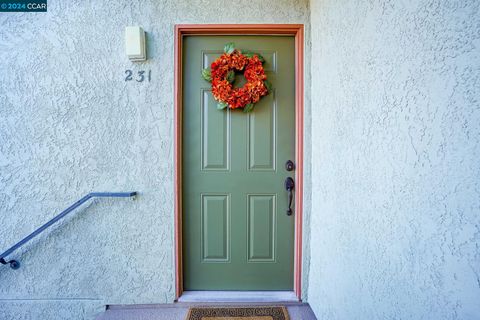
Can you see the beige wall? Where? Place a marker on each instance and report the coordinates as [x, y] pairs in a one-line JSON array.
[[69, 125], [395, 160]]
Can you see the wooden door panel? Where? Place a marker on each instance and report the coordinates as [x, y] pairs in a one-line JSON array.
[[215, 133], [215, 224], [262, 133], [261, 228]]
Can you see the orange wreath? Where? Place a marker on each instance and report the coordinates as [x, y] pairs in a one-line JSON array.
[[222, 75]]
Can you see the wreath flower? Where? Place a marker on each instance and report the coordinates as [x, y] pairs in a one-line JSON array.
[[222, 75]]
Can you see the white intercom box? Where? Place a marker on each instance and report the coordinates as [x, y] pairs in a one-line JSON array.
[[135, 43]]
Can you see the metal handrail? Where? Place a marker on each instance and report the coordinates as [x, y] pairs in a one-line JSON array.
[[15, 264]]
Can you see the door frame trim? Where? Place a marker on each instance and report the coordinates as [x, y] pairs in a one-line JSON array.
[[296, 30]]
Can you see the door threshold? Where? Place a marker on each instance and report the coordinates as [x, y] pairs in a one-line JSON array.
[[238, 296]]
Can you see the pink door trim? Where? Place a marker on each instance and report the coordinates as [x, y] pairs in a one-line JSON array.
[[296, 30]]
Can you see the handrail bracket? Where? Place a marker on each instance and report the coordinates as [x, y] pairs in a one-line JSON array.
[[14, 264]]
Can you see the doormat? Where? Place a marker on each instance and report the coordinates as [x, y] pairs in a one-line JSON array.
[[238, 313]]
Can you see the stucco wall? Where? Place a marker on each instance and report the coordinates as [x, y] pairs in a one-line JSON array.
[[395, 161], [70, 124]]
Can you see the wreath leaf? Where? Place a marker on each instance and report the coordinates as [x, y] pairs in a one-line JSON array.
[[222, 105], [248, 107], [268, 85], [231, 76], [250, 54], [207, 75], [229, 47]]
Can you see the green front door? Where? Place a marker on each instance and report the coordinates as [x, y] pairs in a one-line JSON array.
[[236, 233]]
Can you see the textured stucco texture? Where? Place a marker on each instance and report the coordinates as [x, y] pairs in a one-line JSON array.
[[70, 124], [393, 136], [395, 223]]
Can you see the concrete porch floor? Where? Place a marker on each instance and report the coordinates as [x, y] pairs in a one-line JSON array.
[[178, 311]]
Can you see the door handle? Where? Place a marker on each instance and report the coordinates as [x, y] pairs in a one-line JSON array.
[[289, 186]]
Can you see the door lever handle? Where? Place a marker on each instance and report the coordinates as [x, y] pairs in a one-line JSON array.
[[289, 186]]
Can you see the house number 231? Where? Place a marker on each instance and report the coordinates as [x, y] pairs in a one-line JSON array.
[[140, 75]]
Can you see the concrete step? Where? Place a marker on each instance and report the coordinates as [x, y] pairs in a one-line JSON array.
[[178, 311]]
